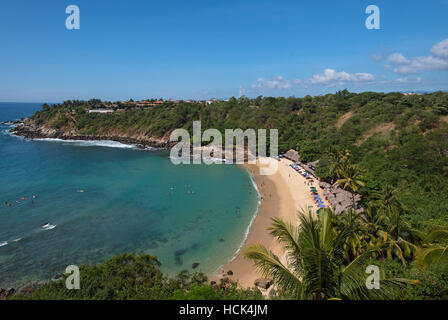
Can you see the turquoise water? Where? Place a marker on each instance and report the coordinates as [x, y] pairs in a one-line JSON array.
[[133, 201]]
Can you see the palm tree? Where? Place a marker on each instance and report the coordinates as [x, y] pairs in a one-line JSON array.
[[395, 236], [315, 261], [431, 251], [390, 234], [388, 200], [358, 241], [351, 179], [339, 159]]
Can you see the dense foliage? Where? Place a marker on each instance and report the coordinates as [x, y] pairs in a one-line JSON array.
[[390, 148], [394, 139], [138, 277]]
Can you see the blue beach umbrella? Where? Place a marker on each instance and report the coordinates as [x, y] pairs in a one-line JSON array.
[[321, 206]]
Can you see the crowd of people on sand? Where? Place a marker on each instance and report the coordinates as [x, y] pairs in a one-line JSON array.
[[309, 181]]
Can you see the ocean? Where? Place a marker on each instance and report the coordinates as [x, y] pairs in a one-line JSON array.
[[79, 202]]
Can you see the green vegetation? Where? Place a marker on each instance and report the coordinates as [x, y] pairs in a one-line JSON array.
[[137, 277], [316, 266], [393, 139], [390, 148]]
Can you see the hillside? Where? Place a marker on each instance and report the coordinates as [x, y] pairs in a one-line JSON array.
[[395, 139]]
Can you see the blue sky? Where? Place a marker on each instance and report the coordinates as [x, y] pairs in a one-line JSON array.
[[202, 49]]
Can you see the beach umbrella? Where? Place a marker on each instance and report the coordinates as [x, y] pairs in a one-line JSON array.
[[321, 206]]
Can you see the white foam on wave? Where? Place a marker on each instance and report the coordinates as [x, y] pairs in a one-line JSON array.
[[6, 127], [48, 226], [90, 143], [4, 243], [246, 233], [203, 159]]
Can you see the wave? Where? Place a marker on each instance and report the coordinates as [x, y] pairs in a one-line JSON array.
[[7, 132], [90, 143], [48, 226], [246, 233], [4, 243], [192, 157]]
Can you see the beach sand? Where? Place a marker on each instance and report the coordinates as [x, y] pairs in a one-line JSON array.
[[282, 195]]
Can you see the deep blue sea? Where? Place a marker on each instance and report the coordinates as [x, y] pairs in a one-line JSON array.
[[132, 201]]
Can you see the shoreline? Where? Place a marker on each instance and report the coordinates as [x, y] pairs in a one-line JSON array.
[[282, 195]]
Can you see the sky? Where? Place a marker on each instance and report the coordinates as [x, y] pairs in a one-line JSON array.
[[201, 49]]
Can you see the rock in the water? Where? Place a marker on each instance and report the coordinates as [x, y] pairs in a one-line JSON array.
[[195, 265], [29, 289], [6, 293], [263, 283], [57, 277]]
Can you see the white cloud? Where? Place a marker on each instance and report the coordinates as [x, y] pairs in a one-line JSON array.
[[398, 58], [331, 76], [407, 80], [405, 66], [440, 49], [377, 56], [277, 83]]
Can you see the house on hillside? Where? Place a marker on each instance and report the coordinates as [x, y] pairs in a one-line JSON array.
[[100, 111]]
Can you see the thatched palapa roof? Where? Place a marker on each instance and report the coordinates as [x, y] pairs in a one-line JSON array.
[[292, 155]]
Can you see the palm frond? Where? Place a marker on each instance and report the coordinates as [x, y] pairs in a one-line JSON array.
[[353, 281], [427, 256], [436, 236], [287, 235], [270, 266]]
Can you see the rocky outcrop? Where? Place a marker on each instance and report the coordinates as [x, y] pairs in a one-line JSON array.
[[263, 283], [31, 131], [6, 293]]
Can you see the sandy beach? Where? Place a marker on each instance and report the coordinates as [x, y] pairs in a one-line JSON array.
[[282, 195]]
